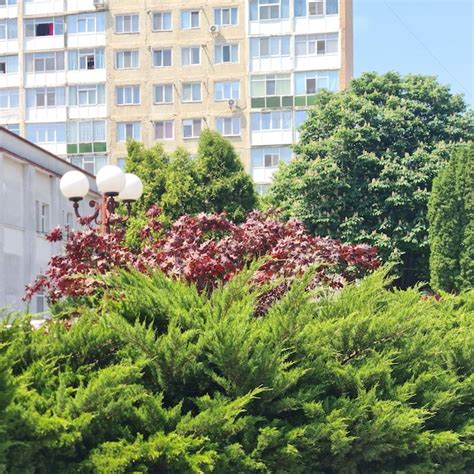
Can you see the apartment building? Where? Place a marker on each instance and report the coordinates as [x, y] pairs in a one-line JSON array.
[[80, 77]]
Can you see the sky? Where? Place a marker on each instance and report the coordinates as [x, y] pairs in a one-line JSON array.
[[433, 37]]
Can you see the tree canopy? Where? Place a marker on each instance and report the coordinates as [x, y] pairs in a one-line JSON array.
[[451, 216], [366, 159], [214, 181]]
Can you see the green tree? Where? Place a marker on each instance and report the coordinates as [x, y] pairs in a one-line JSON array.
[[151, 165], [224, 183], [451, 216], [213, 182], [366, 160], [156, 377]]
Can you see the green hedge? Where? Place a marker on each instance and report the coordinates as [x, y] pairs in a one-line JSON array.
[[158, 378]]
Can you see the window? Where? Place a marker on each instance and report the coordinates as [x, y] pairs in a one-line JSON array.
[[44, 27], [191, 92], [162, 21], [8, 29], [42, 217], [269, 10], [43, 97], [121, 163], [311, 82], [9, 98], [44, 133], [226, 53], [316, 7], [265, 121], [127, 24], [86, 136], [228, 126], [312, 45], [4, 3], [67, 220], [268, 85], [87, 94], [45, 62], [300, 118], [162, 57], [226, 16], [86, 59], [163, 94], [127, 59], [89, 163], [192, 128], [40, 301], [270, 46], [269, 157], [128, 130], [189, 19], [9, 64], [262, 189], [86, 23], [13, 127], [127, 95], [164, 130], [226, 90], [190, 56]]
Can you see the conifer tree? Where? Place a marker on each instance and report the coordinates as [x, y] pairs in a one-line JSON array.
[[451, 215]]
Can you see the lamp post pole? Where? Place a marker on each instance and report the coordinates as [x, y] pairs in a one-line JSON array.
[[115, 187]]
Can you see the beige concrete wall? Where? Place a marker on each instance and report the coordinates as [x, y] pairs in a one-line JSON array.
[[346, 20], [206, 73]]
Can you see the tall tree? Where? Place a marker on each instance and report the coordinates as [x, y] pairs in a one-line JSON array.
[[366, 160], [223, 180], [451, 216], [213, 182]]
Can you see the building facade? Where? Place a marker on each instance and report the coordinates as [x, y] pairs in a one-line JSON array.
[[31, 205], [80, 77]]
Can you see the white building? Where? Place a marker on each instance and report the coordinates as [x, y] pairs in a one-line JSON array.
[[31, 204]]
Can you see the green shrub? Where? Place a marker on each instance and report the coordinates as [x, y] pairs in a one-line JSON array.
[[159, 378]]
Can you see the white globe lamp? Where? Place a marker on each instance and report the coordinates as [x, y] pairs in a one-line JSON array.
[[74, 185], [110, 180], [133, 188]]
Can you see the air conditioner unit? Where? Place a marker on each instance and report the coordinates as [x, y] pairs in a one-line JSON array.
[[213, 29], [233, 104], [99, 3]]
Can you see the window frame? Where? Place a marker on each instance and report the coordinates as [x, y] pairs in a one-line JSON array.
[[136, 131], [221, 120], [225, 99], [123, 16], [164, 123], [169, 85], [123, 52], [190, 55], [162, 51], [190, 12], [124, 88], [192, 85], [161, 12], [219, 22], [192, 120]]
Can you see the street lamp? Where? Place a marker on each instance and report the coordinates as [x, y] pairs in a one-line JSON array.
[[114, 185]]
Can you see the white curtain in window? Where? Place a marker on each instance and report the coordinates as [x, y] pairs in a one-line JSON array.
[[99, 58], [73, 60], [99, 130]]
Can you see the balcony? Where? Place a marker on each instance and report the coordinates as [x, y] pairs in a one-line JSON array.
[[42, 7]]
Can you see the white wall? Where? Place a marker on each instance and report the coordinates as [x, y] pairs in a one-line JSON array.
[[24, 252]]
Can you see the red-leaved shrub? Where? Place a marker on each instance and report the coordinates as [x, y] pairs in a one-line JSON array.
[[205, 250]]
